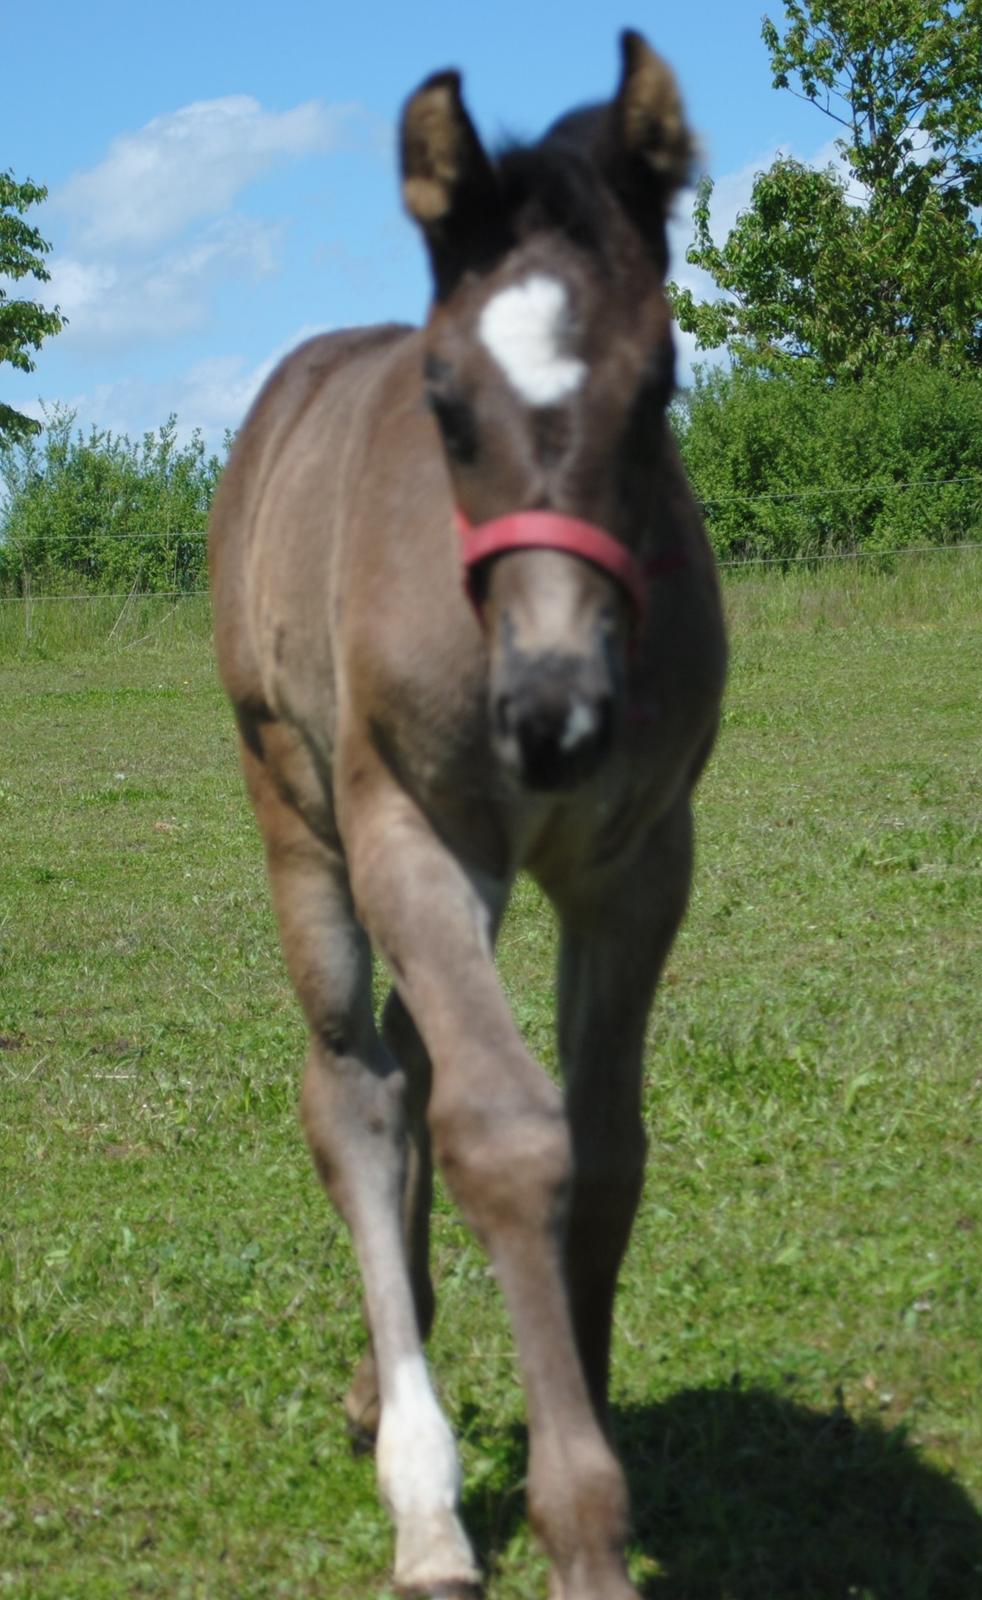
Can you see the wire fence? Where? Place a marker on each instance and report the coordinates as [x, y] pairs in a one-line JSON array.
[[822, 491], [744, 563], [850, 555], [179, 555], [32, 596]]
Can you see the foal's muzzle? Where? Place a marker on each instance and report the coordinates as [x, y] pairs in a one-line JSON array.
[[551, 719], [552, 706]]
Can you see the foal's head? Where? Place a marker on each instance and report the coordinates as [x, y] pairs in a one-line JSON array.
[[549, 368]]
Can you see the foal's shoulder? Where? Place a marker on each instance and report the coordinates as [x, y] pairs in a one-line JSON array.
[[294, 384]]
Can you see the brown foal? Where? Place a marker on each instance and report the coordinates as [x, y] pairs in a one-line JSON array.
[[469, 621]]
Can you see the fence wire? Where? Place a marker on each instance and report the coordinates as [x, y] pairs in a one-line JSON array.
[[874, 486], [882, 486], [850, 555], [168, 543], [105, 594], [741, 563]]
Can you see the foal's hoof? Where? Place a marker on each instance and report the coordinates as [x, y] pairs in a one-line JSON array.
[[619, 1588], [434, 1560]]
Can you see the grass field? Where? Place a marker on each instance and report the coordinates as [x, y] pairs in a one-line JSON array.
[[799, 1330]]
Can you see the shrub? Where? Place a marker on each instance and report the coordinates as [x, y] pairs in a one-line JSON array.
[[789, 467], [100, 512]]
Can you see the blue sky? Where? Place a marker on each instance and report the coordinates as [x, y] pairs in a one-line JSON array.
[[222, 181]]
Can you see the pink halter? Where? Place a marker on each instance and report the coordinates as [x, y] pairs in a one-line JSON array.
[[550, 530]]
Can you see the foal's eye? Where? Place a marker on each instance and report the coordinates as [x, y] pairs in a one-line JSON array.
[[456, 422], [454, 414]]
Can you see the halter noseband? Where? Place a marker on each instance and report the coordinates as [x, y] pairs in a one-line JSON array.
[[551, 530]]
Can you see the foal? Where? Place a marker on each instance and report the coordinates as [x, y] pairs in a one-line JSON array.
[[469, 622]]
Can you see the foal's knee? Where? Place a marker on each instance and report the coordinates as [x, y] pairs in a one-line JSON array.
[[506, 1165]]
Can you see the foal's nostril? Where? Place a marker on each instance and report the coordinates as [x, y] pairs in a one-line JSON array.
[[554, 746], [552, 718]]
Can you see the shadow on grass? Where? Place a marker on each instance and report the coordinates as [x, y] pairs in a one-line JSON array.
[[743, 1495], [494, 1506]]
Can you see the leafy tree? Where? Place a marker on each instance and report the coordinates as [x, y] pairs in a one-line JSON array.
[[903, 77], [23, 323], [843, 276]]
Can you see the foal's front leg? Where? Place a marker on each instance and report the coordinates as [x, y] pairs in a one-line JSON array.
[[501, 1139], [355, 1106], [616, 930]]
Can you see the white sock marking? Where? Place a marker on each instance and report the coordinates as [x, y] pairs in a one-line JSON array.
[[416, 1456], [524, 328]]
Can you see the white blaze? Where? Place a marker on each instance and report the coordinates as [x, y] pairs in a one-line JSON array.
[[525, 328]]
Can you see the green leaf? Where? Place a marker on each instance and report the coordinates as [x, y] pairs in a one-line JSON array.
[[23, 323]]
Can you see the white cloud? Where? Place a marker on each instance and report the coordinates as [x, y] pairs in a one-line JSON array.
[[213, 395], [112, 303], [155, 232], [188, 164]]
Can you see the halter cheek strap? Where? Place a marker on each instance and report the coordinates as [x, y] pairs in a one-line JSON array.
[[550, 530]]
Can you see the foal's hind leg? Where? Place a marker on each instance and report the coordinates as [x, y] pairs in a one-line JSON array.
[[616, 932], [353, 1109], [362, 1402]]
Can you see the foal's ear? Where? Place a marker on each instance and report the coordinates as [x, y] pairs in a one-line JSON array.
[[449, 186], [649, 149]]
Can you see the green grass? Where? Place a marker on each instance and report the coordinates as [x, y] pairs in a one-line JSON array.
[[799, 1329]]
